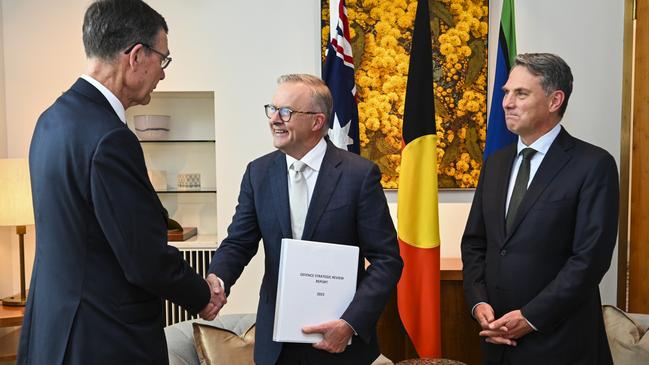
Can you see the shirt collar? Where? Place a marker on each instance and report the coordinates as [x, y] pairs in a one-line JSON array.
[[313, 158], [112, 99], [541, 145]]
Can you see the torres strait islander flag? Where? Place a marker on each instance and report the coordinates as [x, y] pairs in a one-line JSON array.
[[498, 136], [418, 224], [338, 74]]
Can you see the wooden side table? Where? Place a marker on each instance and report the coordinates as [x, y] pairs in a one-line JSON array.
[[10, 317], [460, 340]]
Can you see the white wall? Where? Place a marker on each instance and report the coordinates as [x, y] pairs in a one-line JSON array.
[[238, 49], [5, 247]]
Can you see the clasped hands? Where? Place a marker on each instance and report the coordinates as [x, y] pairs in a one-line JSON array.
[[504, 330], [217, 298]]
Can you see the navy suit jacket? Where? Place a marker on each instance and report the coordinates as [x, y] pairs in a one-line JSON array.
[[348, 207], [552, 261], [102, 261]]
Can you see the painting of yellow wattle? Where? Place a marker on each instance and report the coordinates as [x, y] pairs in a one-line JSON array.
[[381, 34]]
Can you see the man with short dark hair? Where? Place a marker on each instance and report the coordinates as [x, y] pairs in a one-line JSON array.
[[309, 189], [102, 261], [541, 230]]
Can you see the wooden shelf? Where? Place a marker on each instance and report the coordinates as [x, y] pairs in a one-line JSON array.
[[450, 268], [11, 316]]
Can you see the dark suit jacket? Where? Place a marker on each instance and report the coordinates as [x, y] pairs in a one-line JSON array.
[[348, 206], [102, 260], [551, 263]]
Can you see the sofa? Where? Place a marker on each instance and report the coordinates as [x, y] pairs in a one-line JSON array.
[[228, 339], [627, 336]]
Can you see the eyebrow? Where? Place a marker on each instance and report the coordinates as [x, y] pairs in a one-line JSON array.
[[504, 88]]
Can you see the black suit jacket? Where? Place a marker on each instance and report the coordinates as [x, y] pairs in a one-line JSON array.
[[102, 261], [348, 207], [551, 263]]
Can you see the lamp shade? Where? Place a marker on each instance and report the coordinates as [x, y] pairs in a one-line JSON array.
[[15, 193]]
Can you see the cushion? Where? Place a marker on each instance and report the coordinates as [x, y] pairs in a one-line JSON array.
[[628, 340], [217, 346], [382, 360], [180, 336]]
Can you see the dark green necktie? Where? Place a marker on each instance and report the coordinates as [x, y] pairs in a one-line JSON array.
[[520, 187]]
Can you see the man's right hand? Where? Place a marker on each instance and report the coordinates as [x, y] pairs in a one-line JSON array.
[[484, 314], [217, 298]]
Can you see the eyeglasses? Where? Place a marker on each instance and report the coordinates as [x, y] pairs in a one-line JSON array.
[[165, 59], [285, 113]]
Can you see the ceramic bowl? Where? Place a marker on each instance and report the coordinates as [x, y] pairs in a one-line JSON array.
[[152, 127]]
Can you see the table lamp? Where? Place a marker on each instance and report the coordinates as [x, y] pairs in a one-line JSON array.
[[16, 210]]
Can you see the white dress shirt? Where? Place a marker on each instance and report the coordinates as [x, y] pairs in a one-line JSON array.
[[541, 145]]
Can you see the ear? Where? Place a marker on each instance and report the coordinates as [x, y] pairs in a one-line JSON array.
[[556, 100], [135, 57], [318, 122]]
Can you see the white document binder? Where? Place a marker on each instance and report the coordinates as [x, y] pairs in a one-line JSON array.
[[316, 283]]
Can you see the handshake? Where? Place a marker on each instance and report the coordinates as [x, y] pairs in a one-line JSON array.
[[217, 298]]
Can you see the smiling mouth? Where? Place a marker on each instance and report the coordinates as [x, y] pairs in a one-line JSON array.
[[279, 132]]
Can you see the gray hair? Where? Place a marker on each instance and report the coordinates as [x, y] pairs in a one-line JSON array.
[[320, 97], [554, 72], [111, 26]]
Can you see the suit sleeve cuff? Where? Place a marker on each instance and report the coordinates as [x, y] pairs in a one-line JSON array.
[[474, 307], [350, 326], [531, 325]]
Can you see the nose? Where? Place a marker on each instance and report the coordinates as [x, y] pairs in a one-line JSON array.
[[162, 75], [508, 101], [274, 118]]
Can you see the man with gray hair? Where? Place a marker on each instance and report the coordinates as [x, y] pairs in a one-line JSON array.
[[541, 230], [102, 261], [342, 202]]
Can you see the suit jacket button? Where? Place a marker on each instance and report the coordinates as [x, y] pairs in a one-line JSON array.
[[503, 252]]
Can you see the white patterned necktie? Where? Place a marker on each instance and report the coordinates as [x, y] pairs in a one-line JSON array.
[[298, 198]]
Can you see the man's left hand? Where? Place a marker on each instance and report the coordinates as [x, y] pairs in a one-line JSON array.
[[510, 326], [336, 335]]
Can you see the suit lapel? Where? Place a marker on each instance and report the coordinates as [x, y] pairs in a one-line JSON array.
[[553, 162], [279, 185], [324, 188], [504, 171]]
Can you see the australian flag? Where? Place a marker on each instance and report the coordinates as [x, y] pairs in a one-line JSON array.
[[338, 73]]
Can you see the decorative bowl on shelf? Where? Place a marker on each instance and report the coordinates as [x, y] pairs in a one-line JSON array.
[[152, 127]]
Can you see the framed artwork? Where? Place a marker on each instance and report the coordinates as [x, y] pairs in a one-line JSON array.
[[381, 32]]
